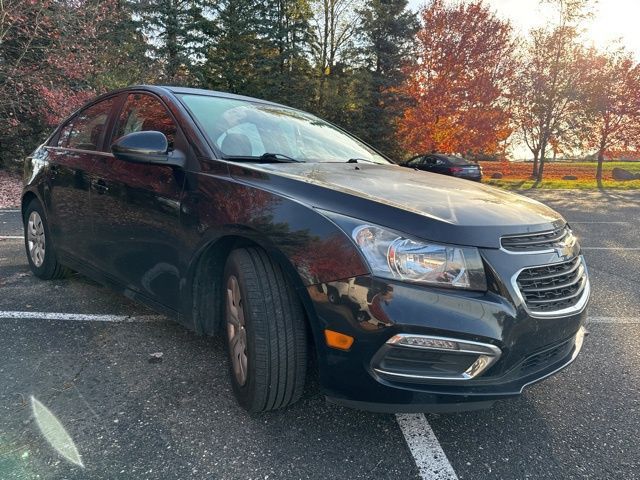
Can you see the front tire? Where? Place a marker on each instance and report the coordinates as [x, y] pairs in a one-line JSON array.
[[37, 240], [266, 332]]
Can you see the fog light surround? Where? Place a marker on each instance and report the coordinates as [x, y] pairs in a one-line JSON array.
[[420, 358]]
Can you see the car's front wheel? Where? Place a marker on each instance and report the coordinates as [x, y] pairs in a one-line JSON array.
[[266, 334], [37, 240]]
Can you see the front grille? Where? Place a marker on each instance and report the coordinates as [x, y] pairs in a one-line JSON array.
[[536, 241], [553, 287]]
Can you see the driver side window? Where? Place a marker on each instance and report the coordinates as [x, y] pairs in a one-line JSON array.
[[141, 113]]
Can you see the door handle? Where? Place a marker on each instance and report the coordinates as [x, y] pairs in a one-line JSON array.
[[100, 186]]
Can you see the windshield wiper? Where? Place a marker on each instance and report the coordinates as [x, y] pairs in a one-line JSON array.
[[359, 160], [264, 158]]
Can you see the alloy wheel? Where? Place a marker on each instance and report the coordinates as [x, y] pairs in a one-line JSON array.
[[236, 332], [36, 238]]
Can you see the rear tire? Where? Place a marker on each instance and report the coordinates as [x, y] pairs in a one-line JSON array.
[[266, 332], [40, 249]]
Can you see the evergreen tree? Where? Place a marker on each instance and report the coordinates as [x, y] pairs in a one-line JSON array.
[[259, 48], [386, 31], [235, 48], [175, 29]]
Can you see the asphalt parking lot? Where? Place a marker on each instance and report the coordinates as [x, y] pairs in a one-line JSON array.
[[132, 418]]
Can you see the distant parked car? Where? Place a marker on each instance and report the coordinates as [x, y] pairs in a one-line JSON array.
[[447, 165]]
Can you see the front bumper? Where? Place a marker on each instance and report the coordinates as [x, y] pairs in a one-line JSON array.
[[373, 310]]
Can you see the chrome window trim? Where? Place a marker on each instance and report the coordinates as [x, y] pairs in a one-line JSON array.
[[489, 352], [79, 150], [565, 312]]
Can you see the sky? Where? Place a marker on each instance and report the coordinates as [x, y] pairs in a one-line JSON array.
[[612, 20]]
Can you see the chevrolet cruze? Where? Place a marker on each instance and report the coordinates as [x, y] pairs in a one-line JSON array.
[[295, 241]]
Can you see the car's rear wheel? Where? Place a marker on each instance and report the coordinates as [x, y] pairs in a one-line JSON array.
[[265, 329], [40, 250]]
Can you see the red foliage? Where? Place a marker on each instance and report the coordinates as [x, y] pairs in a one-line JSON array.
[[460, 81], [552, 171]]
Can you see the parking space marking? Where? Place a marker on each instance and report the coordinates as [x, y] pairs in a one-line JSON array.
[[430, 459], [613, 320], [81, 317], [11, 237], [595, 222], [610, 248], [9, 211]]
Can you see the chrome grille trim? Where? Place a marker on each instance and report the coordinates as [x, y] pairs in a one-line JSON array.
[[538, 242], [565, 284]]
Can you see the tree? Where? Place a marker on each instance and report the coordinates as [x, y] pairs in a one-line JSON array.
[[546, 93], [461, 82], [53, 57], [334, 26], [611, 102], [176, 30], [234, 51], [385, 35], [260, 48]]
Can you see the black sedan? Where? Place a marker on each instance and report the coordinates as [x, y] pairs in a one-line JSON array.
[[447, 165], [292, 239]]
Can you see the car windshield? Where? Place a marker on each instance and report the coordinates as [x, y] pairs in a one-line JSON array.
[[242, 130]]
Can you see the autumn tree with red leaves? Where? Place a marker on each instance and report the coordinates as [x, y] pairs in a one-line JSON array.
[[547, 98], [461, 81], [54, 56], [611, 102]]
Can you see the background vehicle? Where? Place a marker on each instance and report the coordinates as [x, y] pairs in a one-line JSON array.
[[288, 236], [447, 165]]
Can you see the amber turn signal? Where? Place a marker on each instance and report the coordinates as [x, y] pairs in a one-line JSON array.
[[338, 340]]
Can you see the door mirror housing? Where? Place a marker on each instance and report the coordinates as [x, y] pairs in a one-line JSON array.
[[149, 147]]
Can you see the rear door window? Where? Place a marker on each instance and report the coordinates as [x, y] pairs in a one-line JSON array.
[[86, 130]]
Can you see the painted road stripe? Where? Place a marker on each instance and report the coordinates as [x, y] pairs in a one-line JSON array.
[[590, 222], [11, 237], [9, 211], [81, 317], [613, 319], [431, 461], [610, 248]]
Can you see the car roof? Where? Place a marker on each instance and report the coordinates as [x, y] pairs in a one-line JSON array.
[[184, 90], [176, 90]]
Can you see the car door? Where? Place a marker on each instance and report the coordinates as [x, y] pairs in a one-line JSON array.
[[136, 207], [71, 156]]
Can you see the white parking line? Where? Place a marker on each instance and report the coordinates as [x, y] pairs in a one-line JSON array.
[[587, 222], [81, 317], [11, 237], [9, 211], [610, 248], [431, 461], [613, 320]]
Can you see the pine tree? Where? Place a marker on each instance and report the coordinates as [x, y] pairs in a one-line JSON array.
[[234, 50], [175, 32], [386, 31]]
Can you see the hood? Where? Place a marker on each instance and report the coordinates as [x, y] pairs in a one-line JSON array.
[[454, 205]]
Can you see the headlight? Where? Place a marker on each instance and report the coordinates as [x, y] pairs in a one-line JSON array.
[[391, 255]]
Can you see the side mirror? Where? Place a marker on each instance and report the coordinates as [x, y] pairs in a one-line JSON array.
[[147, 147]]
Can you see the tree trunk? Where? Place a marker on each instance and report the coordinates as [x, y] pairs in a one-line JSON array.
[[599, 168], [534, 172], [540, 173]]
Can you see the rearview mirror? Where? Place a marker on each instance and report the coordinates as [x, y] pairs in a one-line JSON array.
[[146, 147]]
